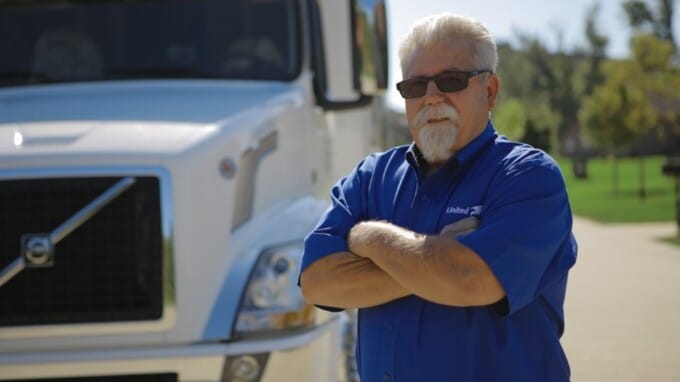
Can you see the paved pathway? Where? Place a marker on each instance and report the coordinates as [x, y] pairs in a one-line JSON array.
[[623, 304]]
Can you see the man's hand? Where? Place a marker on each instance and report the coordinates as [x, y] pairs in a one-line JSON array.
[[460, 228], [437, 268], [367, 237], [343, 280], [361, 237], [358, 237]]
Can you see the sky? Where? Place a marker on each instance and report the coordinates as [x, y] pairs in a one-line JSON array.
[[543, 18]]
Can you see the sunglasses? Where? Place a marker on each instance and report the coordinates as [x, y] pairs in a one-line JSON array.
[[447, 82]]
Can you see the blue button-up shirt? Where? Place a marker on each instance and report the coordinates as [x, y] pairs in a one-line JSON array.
[[524, 235]]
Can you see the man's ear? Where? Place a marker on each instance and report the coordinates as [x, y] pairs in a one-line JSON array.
[[492, 88]]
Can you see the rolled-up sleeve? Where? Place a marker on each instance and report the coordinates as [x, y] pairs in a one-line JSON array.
[[525, 232], [347, 208]]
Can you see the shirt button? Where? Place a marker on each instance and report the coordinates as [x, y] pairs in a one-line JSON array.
[[388, 377]]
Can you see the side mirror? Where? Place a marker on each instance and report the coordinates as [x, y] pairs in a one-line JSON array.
[[370, 35], [349, 51]]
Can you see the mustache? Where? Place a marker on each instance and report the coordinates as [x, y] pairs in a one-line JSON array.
[[429, 113]]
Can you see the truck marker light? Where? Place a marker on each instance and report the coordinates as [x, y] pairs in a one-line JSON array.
[[18, 139], [227, 168]]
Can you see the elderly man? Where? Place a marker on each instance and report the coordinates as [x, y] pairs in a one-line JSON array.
[[455, 249]]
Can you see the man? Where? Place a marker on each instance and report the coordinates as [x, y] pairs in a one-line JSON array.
[[456, 248]]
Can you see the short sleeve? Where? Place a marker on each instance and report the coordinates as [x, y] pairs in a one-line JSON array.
[[525, 231], [347, 208]]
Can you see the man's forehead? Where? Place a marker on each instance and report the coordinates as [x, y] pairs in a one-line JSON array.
[[434, 58]]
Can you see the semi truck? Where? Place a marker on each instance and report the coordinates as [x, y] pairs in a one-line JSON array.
[[161, 162]]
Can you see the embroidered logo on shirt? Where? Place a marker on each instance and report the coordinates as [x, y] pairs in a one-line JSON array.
[[471, 211]]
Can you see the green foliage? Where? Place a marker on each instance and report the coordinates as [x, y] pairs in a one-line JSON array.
[[596, 41], [544, 116], [546, 86], [593, 197], [604, 113], [597, 46], [551, 86], [623, 108], [613, 101], [651, 53], [644, 20], [638, 13], [510, 118]]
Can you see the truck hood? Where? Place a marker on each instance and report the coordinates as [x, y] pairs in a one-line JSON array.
[[129, 117]]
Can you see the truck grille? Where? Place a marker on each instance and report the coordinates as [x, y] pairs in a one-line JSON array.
[[108, 269]]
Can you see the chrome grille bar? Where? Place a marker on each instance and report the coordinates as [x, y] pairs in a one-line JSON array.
[[90, 209], [12, 270], [70, 225]]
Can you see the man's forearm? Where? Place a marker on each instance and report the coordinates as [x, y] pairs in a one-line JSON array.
[[344, 280], [436, 268]]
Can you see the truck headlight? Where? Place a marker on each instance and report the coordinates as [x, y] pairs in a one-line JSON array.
[[272, 299]]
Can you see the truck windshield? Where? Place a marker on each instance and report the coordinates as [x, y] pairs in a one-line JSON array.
[[67, 41]]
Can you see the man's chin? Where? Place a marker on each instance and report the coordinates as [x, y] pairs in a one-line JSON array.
[[437, 140], [444, 123]]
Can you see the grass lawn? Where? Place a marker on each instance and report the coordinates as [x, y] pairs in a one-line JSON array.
[[596, 199]]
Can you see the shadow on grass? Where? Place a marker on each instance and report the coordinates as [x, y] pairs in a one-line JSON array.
[[674, 240]]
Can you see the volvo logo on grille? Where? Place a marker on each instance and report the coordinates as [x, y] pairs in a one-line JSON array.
[[37, 250]]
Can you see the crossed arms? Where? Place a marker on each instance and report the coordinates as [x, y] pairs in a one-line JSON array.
[[386, 262]]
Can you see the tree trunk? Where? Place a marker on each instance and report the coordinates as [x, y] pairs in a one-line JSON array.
[[642, 192], [615, 173]]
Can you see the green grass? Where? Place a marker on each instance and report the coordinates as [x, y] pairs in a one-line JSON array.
[[596, 199]]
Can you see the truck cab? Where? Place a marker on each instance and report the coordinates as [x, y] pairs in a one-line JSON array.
[[161, 162]]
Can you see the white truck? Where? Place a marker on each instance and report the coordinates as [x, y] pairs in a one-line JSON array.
[[161, 162]]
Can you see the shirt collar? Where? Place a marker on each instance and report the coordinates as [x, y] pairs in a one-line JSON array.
[[476, 145], [416, 160]]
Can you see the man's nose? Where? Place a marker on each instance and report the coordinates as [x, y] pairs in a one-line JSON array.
[[433, 95]]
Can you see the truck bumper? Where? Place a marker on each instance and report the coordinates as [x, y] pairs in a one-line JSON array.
[[311, 355]]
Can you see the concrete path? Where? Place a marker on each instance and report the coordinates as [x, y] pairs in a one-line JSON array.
[[623, 304]]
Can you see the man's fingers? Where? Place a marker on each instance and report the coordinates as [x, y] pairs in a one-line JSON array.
[[461, 227]]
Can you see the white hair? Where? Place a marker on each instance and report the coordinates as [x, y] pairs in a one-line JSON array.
[[446, 26]]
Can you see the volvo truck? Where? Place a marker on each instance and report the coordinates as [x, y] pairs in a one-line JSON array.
[[161, 162]]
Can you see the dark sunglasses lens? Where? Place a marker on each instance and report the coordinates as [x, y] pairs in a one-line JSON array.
[[451, 82], [412, 88], [446, 82]]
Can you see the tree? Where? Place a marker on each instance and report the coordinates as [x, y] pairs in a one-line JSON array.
[[652, 56], [522, 86], [639, 15], [510, 118], [597, 46], [665, 22], [596, 53], [644, 21], [618, 110], [552, 86]]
